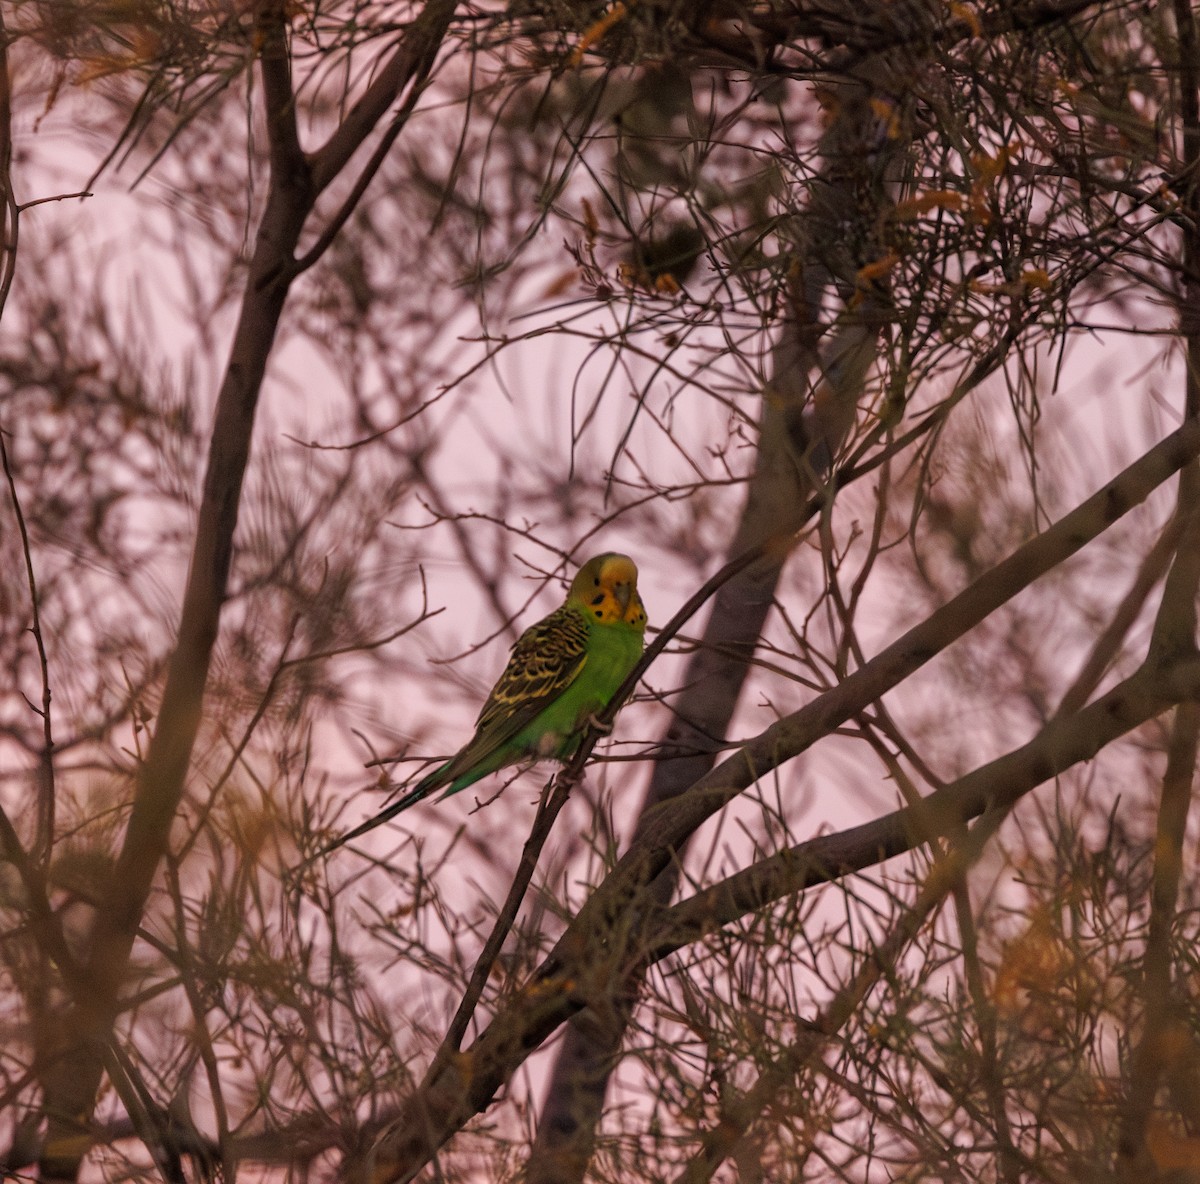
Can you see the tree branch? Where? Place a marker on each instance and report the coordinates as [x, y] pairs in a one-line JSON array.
[[44, 834], [412, 60], [11, 212], [610, 938], [71, 1081], [589, 955]]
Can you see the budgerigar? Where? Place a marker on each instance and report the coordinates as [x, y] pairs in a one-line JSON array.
[[561, 672]]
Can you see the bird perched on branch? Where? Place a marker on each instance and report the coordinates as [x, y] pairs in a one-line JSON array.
[[561, 673]]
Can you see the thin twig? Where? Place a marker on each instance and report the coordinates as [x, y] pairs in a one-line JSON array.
[[1008, 1163], [548, 811], [10, 218], [201, 1036], [44, 838]]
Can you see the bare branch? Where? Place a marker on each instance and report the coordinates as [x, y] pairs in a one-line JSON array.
[[410, 64], [10, 217], [44, 835]]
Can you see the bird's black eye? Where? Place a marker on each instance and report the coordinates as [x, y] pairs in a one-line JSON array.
[[598, 599]]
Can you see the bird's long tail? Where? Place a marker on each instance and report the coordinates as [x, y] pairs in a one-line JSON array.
[[421, 790]]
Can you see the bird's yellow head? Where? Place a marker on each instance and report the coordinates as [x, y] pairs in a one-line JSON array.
[[606, 589]]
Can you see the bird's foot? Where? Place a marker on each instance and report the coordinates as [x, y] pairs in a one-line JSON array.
[[598, 725]]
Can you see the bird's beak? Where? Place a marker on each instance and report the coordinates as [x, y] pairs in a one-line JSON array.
[[623, 591]]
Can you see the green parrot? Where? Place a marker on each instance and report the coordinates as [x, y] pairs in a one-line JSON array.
[[561, 672]]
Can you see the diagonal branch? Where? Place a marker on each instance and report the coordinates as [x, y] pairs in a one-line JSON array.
[[622, 924], [411, 62], [587, 957], [44, 836], [1063, 742], [668, 825]]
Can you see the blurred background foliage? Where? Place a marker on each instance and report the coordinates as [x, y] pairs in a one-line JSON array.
[[885, 289]]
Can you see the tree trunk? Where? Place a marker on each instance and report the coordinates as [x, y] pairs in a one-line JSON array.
[[809, 409]]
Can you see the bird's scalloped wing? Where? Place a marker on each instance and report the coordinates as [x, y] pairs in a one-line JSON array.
[[546, 659]]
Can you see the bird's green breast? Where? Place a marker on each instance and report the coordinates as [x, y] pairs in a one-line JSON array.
[[612, 652]]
